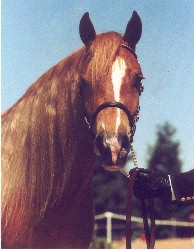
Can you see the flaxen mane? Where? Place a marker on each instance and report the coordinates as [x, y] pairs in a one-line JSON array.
[[40, 139]]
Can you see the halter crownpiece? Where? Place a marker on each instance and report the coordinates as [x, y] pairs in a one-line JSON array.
[[130, 49]]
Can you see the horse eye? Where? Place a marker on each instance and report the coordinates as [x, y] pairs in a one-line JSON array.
[[140, 88], [139, 85]]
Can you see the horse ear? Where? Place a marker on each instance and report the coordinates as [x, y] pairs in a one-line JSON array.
[[86, 29], [133, 30]]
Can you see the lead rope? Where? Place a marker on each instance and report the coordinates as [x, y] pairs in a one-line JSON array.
[[149, 232]]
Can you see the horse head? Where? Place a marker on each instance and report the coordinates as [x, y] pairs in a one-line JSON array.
[[110, 83]]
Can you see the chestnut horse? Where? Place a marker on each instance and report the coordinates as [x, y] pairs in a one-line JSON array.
[[87, 100]]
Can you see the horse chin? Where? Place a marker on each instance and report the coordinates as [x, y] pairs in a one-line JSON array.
[[113, 168]]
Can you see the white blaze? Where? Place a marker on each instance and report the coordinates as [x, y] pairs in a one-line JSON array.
[[118, 72], [103, 126]]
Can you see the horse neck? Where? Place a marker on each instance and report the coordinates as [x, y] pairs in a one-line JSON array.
[[52, 148]]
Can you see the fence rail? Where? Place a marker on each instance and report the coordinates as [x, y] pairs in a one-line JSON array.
[[109, 216]]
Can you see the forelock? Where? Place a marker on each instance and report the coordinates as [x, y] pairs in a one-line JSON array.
[[104, 50]]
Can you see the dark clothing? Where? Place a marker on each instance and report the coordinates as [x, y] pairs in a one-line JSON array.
[[183, 187], [152, 184]]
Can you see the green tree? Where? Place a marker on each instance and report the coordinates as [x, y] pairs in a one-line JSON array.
[[110, 191], [165, 153], [165, 158]]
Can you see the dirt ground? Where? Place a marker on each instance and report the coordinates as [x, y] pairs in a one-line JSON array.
[[173, 243]]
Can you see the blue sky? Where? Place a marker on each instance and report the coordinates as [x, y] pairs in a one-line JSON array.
[[38, 34]]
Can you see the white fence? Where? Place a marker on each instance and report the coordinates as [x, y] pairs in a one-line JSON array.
[[109, 216]]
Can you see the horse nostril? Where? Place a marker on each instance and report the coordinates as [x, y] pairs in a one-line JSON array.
[[125, 143], [125, 146], [100, 145], [123, 153]]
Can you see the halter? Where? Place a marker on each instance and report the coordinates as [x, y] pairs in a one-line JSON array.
[[110, 104], [132, 118]]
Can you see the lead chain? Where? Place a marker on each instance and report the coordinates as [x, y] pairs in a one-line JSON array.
[[134, 162], [134, 157]]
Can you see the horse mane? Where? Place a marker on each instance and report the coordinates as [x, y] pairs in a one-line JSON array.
[[40, 136]]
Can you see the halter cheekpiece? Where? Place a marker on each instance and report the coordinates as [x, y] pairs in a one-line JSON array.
[[111, 104]]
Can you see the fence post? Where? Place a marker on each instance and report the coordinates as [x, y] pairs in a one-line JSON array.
[[108, 216]]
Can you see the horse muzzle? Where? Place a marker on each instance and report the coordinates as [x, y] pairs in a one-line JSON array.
[[112, 151]]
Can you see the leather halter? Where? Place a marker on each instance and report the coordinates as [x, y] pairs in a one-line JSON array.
[[132, 118], [109, 104]]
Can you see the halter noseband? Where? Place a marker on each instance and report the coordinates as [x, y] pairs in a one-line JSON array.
[[132, 118]]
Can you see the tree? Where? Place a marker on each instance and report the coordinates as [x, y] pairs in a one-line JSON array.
[[164, 157], [165, 153], [110, 191]]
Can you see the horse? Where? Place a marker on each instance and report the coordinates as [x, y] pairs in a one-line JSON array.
[[80, 111]]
